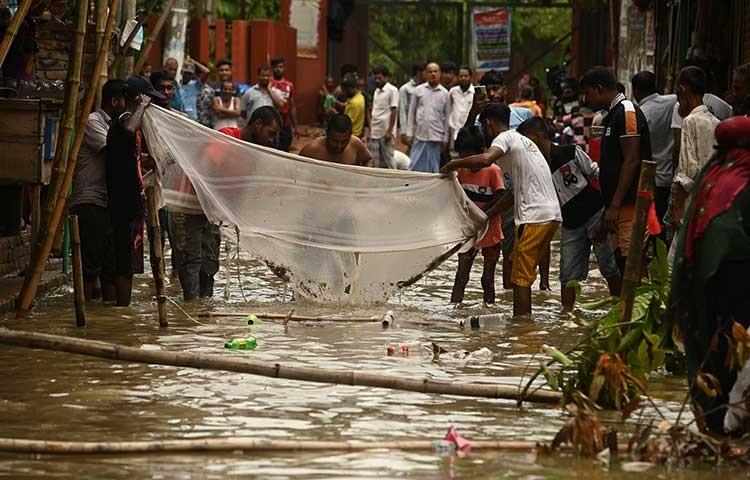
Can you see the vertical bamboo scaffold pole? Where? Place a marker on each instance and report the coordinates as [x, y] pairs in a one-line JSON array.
[[39, 258]]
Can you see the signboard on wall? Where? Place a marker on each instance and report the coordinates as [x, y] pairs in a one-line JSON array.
[[304, 16], [491, 38]]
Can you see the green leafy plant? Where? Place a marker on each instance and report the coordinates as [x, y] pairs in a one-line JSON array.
[[611, 361]]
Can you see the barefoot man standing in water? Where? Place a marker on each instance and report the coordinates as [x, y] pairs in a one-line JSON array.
[[339, 146]]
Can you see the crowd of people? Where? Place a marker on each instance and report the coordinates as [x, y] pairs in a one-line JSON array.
[[532, 169]]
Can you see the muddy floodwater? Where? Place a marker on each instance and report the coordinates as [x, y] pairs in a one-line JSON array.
[[59, 396]]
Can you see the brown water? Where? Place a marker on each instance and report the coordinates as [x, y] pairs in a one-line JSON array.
[[58, 396]]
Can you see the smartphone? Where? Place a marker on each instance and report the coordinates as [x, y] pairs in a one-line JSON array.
[[480, 92]]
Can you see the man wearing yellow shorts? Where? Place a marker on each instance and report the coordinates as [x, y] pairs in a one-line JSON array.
[[536, 210]]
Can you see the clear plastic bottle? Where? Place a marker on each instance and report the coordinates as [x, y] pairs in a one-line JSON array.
[[388, 319]]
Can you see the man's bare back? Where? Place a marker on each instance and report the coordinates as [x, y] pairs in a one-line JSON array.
[[355, 152]]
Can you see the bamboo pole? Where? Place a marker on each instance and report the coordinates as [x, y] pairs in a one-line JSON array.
[[12, 31], [157, 263], [293, 318], [232, 363], [124, 48], [36, 267], [634, 262], [101, 21], [152, 36], [18, 445], [62, 149], [78, 297]]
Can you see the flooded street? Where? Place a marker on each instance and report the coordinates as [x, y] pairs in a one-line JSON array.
[[58, 396]]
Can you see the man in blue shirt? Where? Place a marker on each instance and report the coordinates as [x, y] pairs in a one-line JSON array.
[[193, 76]]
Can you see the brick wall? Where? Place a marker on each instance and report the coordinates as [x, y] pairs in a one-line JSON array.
[[14, 253], [55, 41]]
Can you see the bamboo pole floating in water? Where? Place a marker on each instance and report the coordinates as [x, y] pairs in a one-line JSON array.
[[232, 363], [293, 318], [40, 255], [152, 36], [78, 297], [15, 25], [157, 255], [17, 445], [634, 262]]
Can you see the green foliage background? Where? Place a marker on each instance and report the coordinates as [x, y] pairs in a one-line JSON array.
[[419, 33]]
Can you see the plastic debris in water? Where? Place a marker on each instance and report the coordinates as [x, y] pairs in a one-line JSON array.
[[388, 319], [452, 443], [252, 320], [248, 343]]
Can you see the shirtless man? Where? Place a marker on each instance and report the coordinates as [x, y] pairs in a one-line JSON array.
[[339, 146]]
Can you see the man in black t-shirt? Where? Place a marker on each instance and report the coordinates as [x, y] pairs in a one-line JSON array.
[[125, 194], [625, 144], [582, 210]]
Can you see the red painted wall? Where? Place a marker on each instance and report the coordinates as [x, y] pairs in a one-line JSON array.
[[311, 72], [270, 39], [240, 51], [199, 40]]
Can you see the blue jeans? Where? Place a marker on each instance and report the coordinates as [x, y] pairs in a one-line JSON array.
[[575, 250]]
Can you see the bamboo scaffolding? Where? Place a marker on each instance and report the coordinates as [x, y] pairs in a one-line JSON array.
[[293, 318], [62, 149], [634, 263], [157, 255], [78, 297], [12, 31], [124, 48], [152, 36], [17, 445], [101, 21], [231, 363], [39, 258]]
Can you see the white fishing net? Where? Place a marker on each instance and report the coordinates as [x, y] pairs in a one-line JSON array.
[[340, 233]]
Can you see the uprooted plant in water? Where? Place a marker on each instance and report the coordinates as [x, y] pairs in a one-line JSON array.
[[613, 358]]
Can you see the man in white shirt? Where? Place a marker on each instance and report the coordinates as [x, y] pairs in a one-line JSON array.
[[429, 112], [697, 138], [536, 210], [462, 97], [404, 97], [383, 119], [658, 112]]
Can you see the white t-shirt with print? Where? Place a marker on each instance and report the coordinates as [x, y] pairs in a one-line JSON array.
[[534, 197]]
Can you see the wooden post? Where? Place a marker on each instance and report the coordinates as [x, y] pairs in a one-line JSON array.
[[152, 36], [78, 297], [632, 277], [62, 149], [15, 25], [157, 255], [39, 257]]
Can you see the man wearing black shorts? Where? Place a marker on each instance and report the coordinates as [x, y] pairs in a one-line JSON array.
[[89, 198], [125, 185]]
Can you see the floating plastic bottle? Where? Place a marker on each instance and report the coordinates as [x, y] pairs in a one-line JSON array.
[[252, 320], [402, 348], [388, 319], [248, 343]]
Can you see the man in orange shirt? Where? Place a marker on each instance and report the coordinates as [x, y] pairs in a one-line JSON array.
[[482, 186]]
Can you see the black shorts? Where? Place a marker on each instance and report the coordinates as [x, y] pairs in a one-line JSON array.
[[95, 230], [127, 238]]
